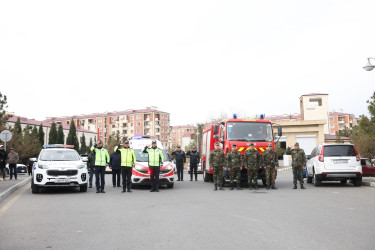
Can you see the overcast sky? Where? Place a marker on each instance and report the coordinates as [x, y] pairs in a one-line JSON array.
[[193, 59]]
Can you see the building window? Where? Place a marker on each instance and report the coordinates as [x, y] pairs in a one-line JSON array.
[[315, 102], [138, 131], [131, 118], [100, 120], [138, 117], [162, 123], [131, 124], [332, 125], [331, 119], [131, 131], [100, 127], [162, 137], [182, 130], [100, 133], [138, 124], [162, 130], [162, 116]]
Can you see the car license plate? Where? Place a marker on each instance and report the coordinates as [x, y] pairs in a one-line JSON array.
[[23, 171], [63, 180], [340, 161]]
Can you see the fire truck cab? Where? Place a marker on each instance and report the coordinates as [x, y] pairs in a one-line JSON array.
[[239, 132]]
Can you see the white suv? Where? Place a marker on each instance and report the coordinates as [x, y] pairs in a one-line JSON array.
[[59, 166], [334, 162]]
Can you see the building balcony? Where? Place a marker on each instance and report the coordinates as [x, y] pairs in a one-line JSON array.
[[341, 122]]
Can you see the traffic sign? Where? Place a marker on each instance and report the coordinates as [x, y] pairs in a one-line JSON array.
[[6, 135]]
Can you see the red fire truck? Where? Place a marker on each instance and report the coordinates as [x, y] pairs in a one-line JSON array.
[[239, 132]]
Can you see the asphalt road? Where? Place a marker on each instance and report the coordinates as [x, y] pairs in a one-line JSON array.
[[191, 216]]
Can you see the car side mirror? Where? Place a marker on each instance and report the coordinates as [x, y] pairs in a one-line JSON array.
[[279, 131], [308, 157], [215, 129]]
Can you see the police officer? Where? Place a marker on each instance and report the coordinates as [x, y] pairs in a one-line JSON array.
[[298, 163], [194, 161], [155, 161], [270, 162], [251, 161], [217, 162], [180, 160], [127, 162], [101, 160], [115, 165], [234, 161], [91, 167]]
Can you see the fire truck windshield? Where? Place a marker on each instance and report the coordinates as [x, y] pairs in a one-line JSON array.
[[249, 131]]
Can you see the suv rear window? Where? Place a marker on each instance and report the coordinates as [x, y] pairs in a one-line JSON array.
[[339, 150]]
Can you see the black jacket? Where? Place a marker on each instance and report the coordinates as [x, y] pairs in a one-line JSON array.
[[3, 157], [195, 158], [179, 156], [115, 160]]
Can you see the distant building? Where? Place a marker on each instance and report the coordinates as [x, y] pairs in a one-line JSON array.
[[47, 127], [339, 120], [180, 132], [141, 122]]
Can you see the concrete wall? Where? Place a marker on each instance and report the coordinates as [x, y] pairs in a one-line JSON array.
[[315, 107]]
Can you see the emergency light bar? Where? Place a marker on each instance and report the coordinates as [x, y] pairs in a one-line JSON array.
[[58, 146], [140, 137]]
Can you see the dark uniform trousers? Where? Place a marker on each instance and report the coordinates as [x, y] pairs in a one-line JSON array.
[[13, 170], [126, 177], [116, 173], [154, 177], [193, 167], [100, 173], [180, 170]]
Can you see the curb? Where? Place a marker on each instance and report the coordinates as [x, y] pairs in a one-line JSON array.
[[10, 190], [368, 183]]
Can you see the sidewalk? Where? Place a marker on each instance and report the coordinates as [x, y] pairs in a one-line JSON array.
[[7, 187]]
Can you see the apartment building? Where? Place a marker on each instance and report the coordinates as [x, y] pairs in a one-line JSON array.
[[340, 120], [141, 122], [179, 132]]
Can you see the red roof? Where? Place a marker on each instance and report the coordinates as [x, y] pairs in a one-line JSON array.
[[33, 122]]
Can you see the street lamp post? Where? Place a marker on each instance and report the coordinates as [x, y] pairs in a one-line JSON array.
[[369, 66]]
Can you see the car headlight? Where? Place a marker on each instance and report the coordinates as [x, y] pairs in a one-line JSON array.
[[80, 166], [42, 166], [139, 168]]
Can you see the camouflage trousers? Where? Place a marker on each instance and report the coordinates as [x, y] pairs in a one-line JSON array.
[[298, 175], [253, 175], [218, 175], [270, 172], [235, 172]]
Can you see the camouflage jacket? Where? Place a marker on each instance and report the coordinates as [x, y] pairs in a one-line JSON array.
[[217, 158], [298, 157], [251, 159], [234, 159], [269, 158]]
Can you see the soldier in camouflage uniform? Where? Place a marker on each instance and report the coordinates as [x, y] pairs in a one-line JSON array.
[[217, 162], [298, 163], [251, 161], [270, 162], [234, 161]]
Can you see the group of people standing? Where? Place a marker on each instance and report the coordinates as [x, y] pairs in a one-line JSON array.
[[12, 158], [121, 161], [252, 161], [180, 158]]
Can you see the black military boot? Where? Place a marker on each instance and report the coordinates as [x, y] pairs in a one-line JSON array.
[[231, 186], [295, 186], [129, 190], [215, 188], [267, 187], [123, 190], [221, 187], [302, 187], [256, 187], [251, 187], [238, 187], [273, 187], [97, 190]]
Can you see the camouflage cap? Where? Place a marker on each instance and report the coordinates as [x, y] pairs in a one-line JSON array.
[[296, 144], [269, 144], [234, 145], [251, 144], [217, 144], [178, 146]]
